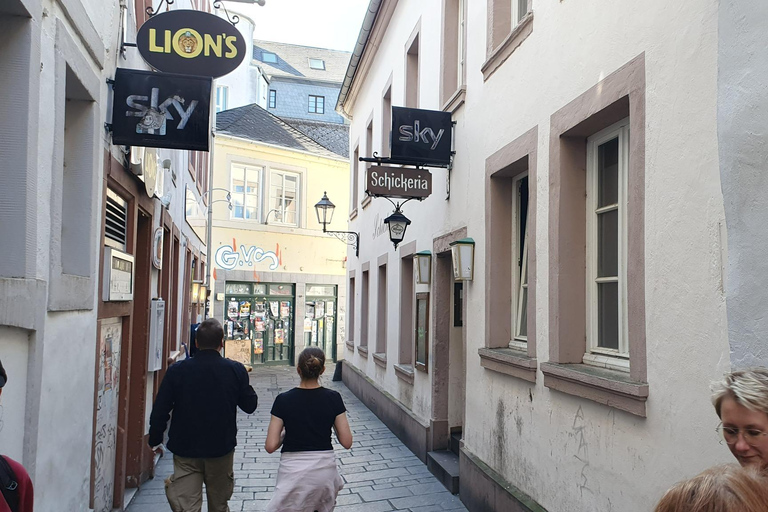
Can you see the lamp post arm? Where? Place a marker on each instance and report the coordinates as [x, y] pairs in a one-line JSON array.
[[348, 237]]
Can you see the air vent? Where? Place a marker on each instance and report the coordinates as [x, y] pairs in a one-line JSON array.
[[116, 224]]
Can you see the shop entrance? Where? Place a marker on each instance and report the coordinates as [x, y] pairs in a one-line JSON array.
[[320, 319], [258, 323]]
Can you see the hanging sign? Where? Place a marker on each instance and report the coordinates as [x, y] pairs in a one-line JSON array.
[[192, 43], [398, 182], [421, 136], [161, 110]]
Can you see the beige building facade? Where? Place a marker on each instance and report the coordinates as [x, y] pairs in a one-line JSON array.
[[278, 280], [572, 372]]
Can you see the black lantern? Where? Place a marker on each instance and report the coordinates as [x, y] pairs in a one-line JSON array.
[[324, 209], [397, 224]]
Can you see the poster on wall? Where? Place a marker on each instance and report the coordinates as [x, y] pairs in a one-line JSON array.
[[307, 324], [314, 332], [309, 312], [285, 309], [258, 345], [232, 309], [274, 307], [329, 309], [258, 324], [279, 336], [319, 309]]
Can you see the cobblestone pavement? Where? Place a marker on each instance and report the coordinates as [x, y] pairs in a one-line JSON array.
[[380, 473]]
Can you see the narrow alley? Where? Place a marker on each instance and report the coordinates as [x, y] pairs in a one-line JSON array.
[[380, 473]]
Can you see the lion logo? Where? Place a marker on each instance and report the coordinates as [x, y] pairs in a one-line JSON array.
[[188, 42]]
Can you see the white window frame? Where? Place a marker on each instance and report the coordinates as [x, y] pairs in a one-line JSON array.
[[462, 43], [298, 199], [517, 13], [321, 61], [225, 90], [595, 355], [259, 191], [517, 341], [264, 57], [272, 98]]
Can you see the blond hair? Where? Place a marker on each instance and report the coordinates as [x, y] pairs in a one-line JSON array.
[[725, 488], [747, 387]]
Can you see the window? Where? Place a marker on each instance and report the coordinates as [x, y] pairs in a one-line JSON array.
[[606, 234], [510, 22], [453, 69], [422, 331], [317, 64], [520, 262], [520, 9], [246, 190], [386, 119], [222, 97], [412, 72], [406, 309], [272, 98], [116, 221], [351, 315], [381, 314], [363, 347], [268, 57], [316, 104], [355, 165], [284, 196]]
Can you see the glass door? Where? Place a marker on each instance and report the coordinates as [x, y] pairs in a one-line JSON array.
[[320, 319]]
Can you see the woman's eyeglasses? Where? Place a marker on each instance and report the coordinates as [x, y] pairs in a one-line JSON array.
[[730, 435]]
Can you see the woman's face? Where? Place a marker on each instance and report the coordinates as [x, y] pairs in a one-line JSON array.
[[736, 416]]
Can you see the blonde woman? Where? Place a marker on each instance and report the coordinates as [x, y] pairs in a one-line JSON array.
[[741, 402], [302, 419], [726, 488]]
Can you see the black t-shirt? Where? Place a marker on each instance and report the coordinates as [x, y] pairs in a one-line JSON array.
[[308, 416]]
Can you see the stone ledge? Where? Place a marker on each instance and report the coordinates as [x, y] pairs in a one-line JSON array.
[[609, 387], [350, 345], [509, 362], [501, 53], [404, 372], [363, 351], [380, 359]]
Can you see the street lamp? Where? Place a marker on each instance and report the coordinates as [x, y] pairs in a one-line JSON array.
[[324, 209], [397, 224], [423, 267], [463, 256]]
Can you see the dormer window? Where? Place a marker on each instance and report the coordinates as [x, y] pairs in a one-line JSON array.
[[269, 57], [317, 64]]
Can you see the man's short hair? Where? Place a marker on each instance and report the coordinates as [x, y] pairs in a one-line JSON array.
[[209, 334]]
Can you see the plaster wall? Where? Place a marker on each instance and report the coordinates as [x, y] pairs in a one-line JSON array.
[[741, 118], [565, 452]]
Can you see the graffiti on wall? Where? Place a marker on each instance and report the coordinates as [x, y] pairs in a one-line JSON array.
[[106, 415], [228, 258]]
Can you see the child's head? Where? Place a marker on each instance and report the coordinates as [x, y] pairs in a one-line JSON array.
[[311, 363], [726, 488]]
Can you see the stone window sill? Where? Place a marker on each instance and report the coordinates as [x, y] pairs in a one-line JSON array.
[[380, 359], [515, 38], [350, 345], [456, 100], [366, 201], [363, 351], [509, 362], [610, 387], [404, 372], [353, 214]]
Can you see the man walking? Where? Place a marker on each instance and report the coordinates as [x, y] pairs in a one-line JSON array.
[[204, 393]]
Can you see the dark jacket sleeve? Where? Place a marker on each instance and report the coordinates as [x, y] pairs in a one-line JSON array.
[[161, 410], [247, 399]]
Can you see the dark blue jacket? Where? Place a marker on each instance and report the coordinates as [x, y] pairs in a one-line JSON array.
[[204, 393]]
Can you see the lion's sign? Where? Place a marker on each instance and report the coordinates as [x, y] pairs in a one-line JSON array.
[[191, 43]]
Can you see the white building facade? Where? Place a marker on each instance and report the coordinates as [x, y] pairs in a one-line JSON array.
[[572, 372]]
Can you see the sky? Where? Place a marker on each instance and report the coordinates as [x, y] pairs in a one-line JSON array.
[[331, 24]]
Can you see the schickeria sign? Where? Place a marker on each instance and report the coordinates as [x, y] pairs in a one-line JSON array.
[[398, 182], [161, 110], [192, 43], [421, 137]]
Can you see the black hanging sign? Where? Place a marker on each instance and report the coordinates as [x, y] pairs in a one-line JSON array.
[[421, 136], [192, 43], [161, 110]]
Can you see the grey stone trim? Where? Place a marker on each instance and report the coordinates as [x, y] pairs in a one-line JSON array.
[[404, 372], [482, 488], [401, 421], [17, 298], [380, 359], [75, 13], [509, 362]]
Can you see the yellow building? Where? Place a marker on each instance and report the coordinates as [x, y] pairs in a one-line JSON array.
[[278, 279]]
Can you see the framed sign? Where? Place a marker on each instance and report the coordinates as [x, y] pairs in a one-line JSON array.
[[160, 110], [398, 182], [421, 136], [192, 43]]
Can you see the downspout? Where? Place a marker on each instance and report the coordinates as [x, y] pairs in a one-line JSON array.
[[357, 54]]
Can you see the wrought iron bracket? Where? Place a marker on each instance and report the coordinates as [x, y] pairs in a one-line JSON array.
[[151, 12], [235, 19], [348, 237]]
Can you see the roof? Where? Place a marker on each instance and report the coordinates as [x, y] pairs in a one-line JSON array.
[[334, 136], [254, 123], [293, 61]]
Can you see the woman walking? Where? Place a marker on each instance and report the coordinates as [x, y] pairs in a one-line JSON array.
[[302, 418]]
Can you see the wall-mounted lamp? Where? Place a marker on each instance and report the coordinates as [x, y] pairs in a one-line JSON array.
[[423, 266], [397, 224], [463, 256], [203, 297], [324, 209], [195, 293]]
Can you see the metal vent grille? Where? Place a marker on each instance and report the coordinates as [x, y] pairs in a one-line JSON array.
[[116, 225]]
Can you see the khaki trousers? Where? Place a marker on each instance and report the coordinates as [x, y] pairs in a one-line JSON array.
[[184, 488]]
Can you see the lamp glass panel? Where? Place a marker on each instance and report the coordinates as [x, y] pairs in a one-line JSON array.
[[466, 253], [455, 255], [424, 268], [397, 230]]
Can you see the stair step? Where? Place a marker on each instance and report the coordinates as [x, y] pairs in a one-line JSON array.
[[456, 438], [444, 464]]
